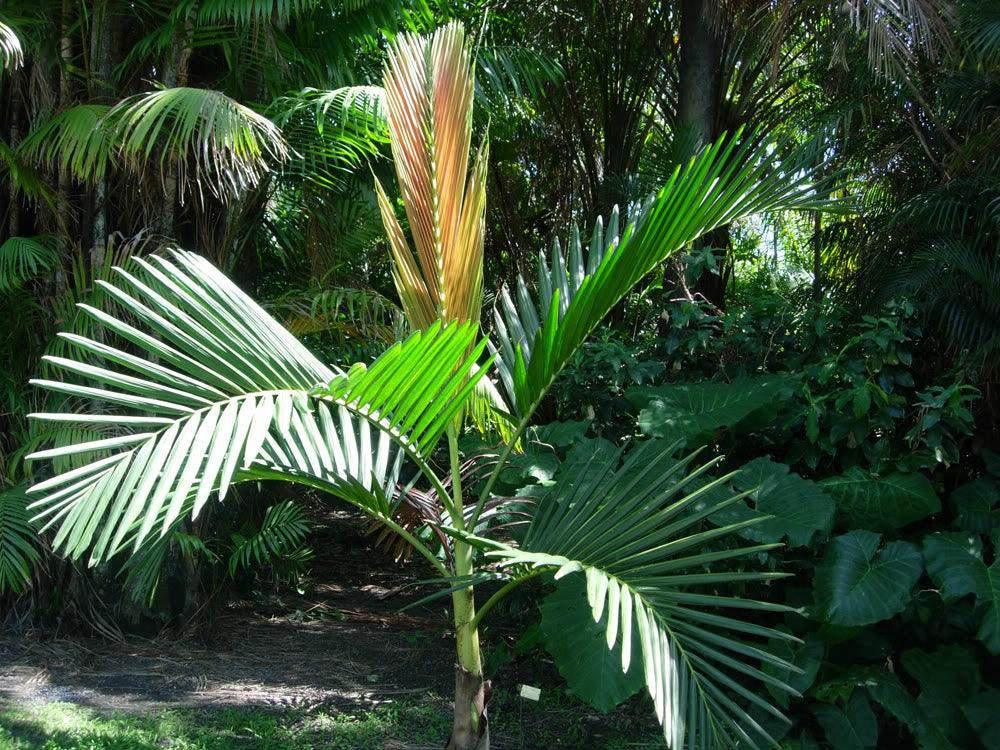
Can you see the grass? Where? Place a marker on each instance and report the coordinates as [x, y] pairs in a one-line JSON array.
[[402, 725]]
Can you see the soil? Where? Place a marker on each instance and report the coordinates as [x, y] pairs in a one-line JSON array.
[[344, 644]]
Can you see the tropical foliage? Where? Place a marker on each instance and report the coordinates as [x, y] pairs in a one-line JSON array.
[[704, 391]]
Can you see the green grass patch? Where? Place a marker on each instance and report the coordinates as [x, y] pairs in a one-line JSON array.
[[557, 722]]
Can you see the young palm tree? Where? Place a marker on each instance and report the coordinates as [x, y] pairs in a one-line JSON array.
[[209, 391]]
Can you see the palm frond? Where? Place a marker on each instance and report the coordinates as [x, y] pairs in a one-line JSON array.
[[223, 394], [25, 258], [227, 395], [726, 181], [899, 31], [281, 533], [505, 74], [11, 53], [214, 142], [429, 91], [331, 132], [18, 541], [636, 533], [75, 140]]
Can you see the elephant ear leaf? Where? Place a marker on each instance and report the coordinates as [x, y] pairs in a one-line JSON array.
[[859, 584], [789, 505], [695, 412], [569, 630], [955, 563], [882, 503]]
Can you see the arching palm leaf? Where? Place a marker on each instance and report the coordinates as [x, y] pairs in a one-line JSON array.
[[11, 54], [215, 143], [330, 132], [224, 394], [18, 546], [722, 183], [636, 533], [75, 139], [24, 258]]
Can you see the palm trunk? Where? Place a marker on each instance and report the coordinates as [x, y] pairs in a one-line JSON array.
[[470, 730]]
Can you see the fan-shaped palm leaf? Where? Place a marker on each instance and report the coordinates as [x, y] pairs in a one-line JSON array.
[[637, 533], [215, 143], [429, 90], [232, 396], [725, 181]]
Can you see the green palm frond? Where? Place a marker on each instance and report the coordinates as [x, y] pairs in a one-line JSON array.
[[725, 181], [281, 533], [223, 394], [331, 132], [353, 313], [25, 258], [508, 73], [229, 388], [23, 177], [215, 143], [637, 533], [75, 140], [18, 541], [11, 54], [981, 23]]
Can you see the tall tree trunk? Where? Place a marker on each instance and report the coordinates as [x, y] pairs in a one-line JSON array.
[[698, 81], [100, 89], [175, 73], [697, 114]]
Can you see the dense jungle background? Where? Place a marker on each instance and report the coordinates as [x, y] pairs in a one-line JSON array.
[[842, 359]]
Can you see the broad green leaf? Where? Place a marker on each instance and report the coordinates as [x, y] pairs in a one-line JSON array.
[[882, 503], [955, 563], [983, 714], [806, 657], [798, 508], [694, 412], [886, 689], [569, 631], [948, 677], [859, 584], [853, 728], [976, 505]]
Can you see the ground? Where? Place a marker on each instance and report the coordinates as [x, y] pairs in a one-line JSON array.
[[340, 667]]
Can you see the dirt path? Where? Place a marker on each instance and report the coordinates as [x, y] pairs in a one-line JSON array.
[[344, 644]]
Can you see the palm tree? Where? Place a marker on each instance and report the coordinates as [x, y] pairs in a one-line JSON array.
[[208, 391]]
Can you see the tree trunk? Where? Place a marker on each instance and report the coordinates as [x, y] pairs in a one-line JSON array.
[[100, 62], [698, 80], [697, 114], [470, 730], [175, 73]]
